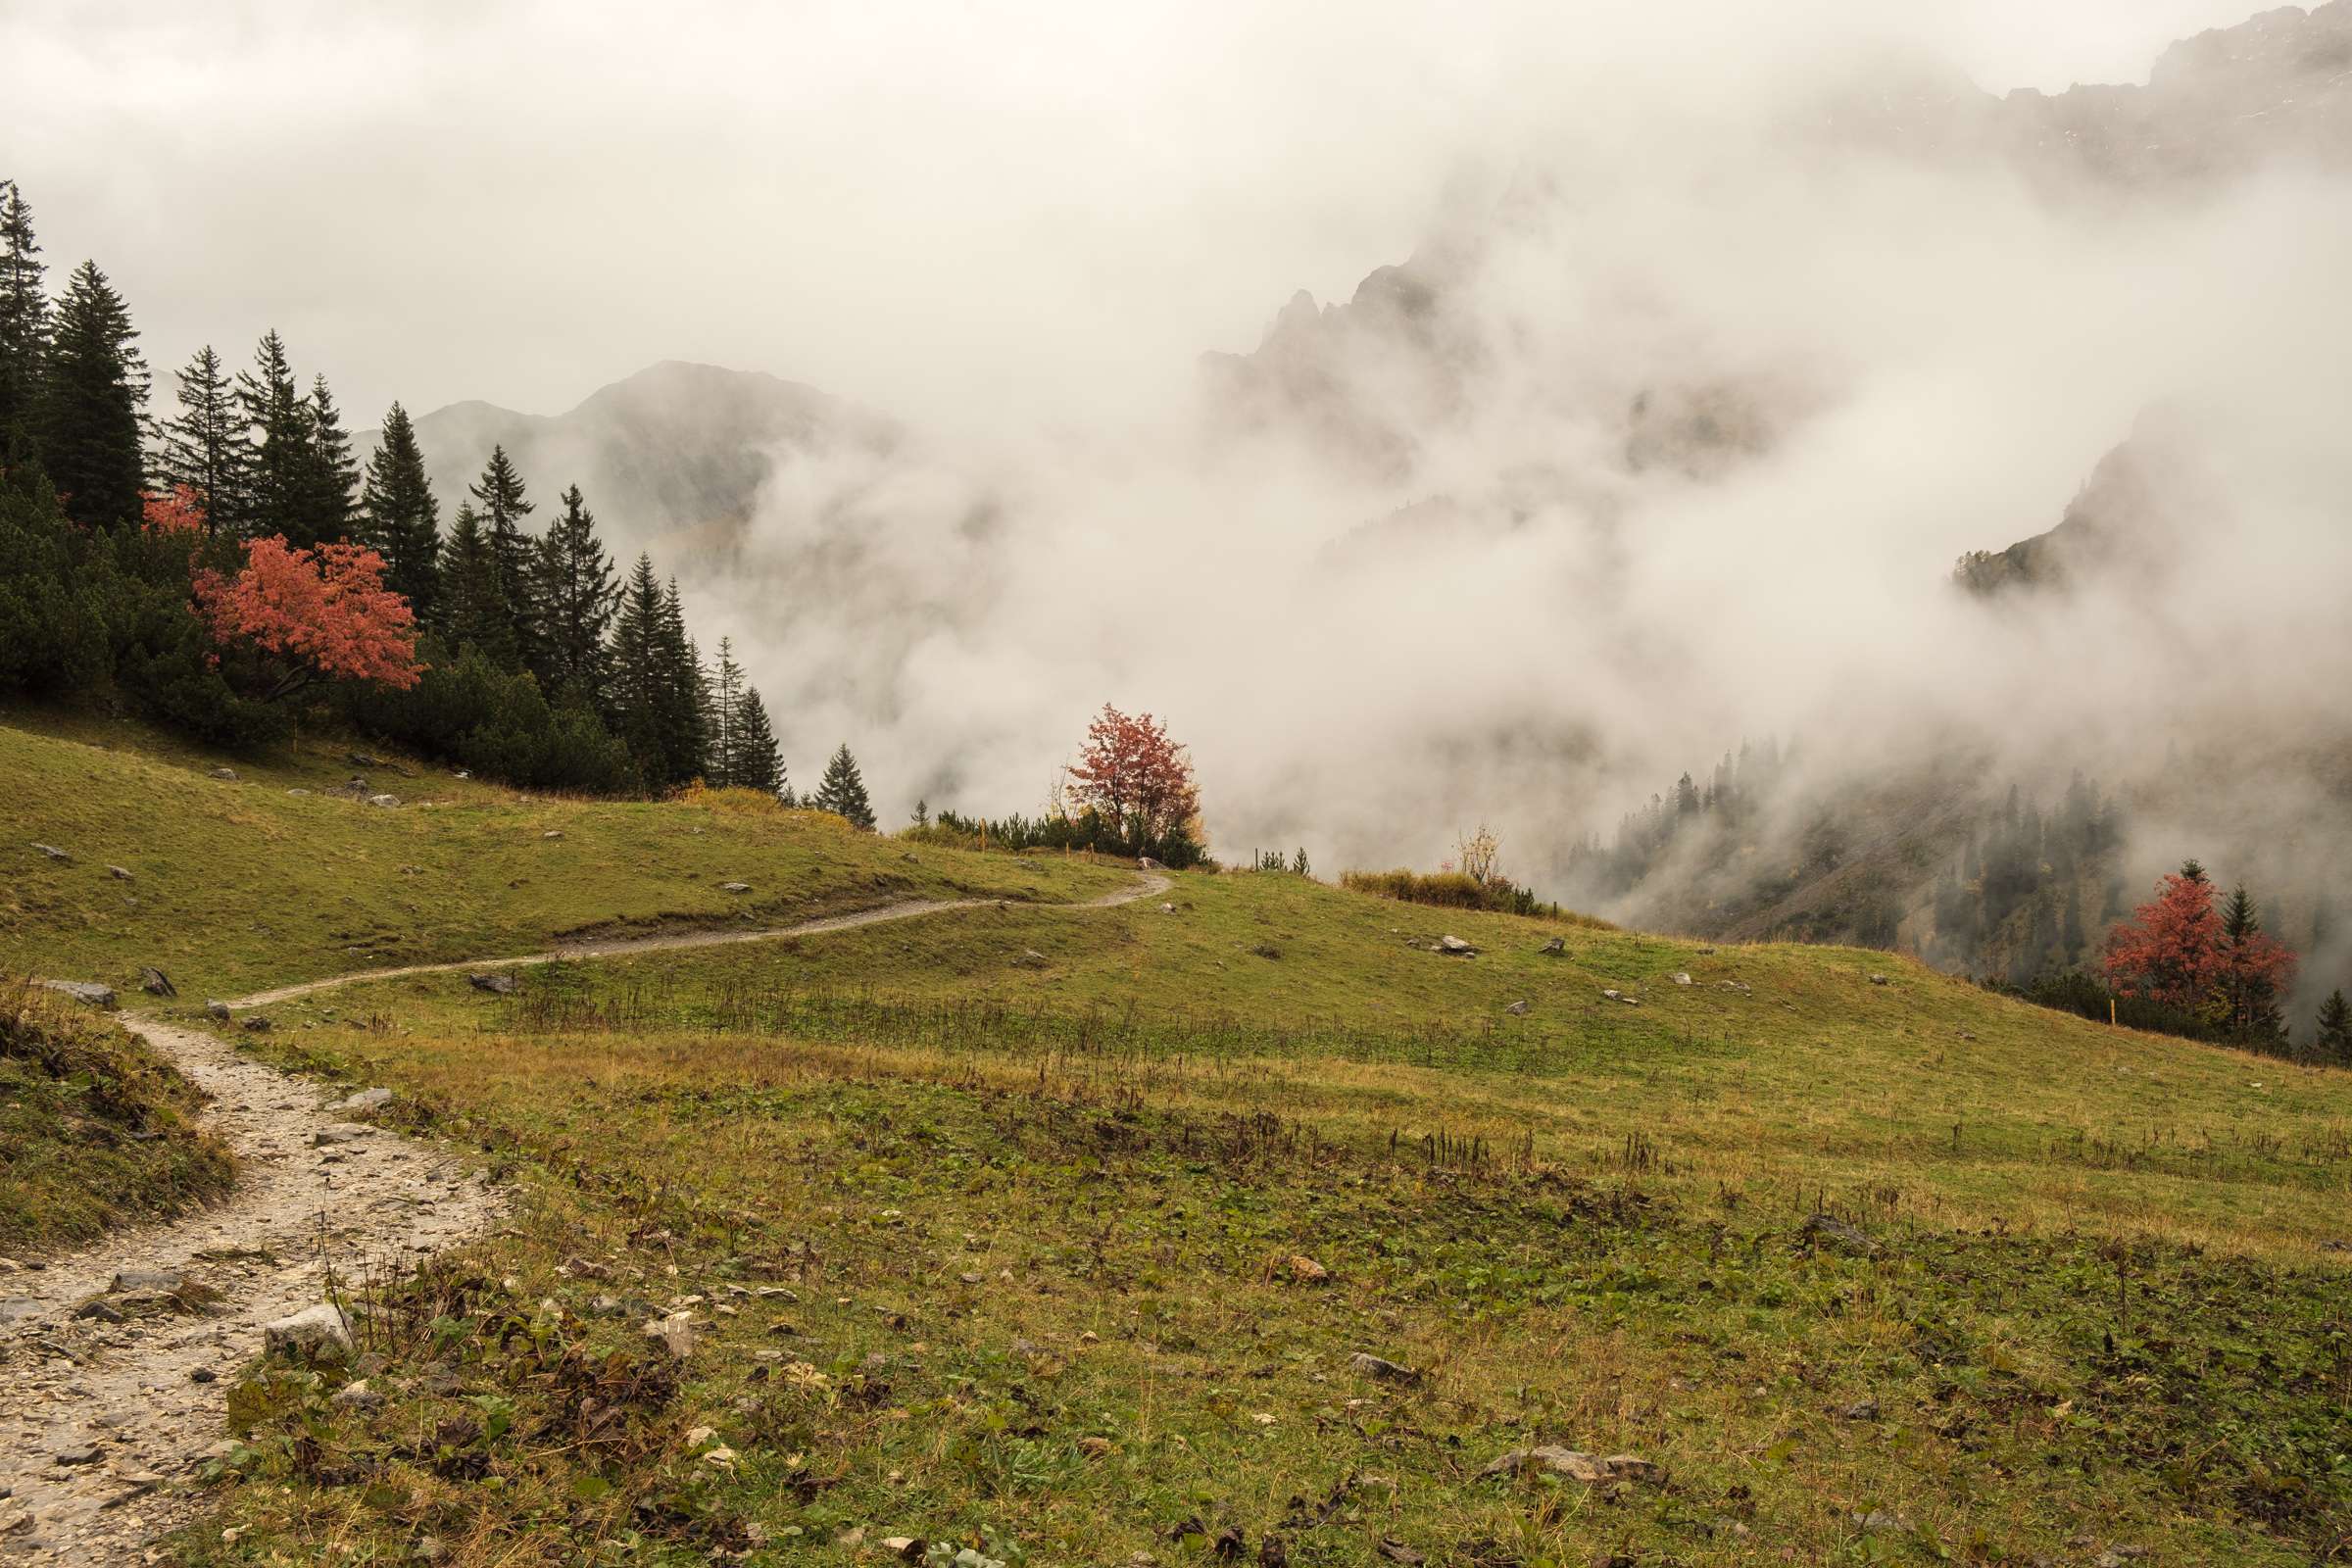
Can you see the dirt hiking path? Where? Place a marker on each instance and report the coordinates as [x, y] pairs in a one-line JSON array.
[[111, 1386]]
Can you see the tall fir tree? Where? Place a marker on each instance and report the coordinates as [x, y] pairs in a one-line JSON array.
[[399, 519], [726, 708], [2335, 1043], [24, 324], [331, 486], [2247, 998], [93, 412], [757, 764], [841, 791], [203, 446], [575, 593], [687, 693], [499, 493], [648, 713], [468, 606], [281, 460]]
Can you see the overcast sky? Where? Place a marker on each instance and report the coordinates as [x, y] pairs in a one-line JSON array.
[[940, 210]]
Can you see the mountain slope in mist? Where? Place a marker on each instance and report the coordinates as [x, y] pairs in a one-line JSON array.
[[675, 448]]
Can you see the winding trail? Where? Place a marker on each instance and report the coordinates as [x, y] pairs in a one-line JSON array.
[[108, 1396]]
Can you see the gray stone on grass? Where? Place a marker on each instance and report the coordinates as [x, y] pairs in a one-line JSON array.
[[119, 874], [217, 1010], [156, 983], [1554, 948], [498, 985], [1827, 1230], [89, 990], [315, 1333], [734, 887], [1517, 1010], [365, 1100], [1455, 947], [227, 776], [53, 852]]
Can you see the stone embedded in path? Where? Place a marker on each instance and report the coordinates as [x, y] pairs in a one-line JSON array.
[[134, 1279], [498, 985], [365, 1100], [89, 990], [316, 1333], [342, 1131]]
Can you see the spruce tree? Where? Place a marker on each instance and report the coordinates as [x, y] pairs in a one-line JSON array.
[[203, 446], [686, 694], [758, 764], [638, 685], [332, 481], [467, 601], [2249, 998], [24, 323], [282, 457], [842, 792], [399, 519], [576, 593], [2335, 1030], [93, 405], [726, 702], [513, 552]]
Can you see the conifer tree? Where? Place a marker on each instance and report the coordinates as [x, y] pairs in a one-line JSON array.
[[332, 482], [400, 519], [758, 764], [686, 693], [842, 792], [283, 456], [574, 593], [2335, 1030], [654, 683], [466, 600], [24, 323], [726, 701], [499, 495], [2253, 970], [93, 405], [203, 446]]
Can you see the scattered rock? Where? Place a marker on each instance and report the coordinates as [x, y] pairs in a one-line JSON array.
[[1682, 977], [133, 1279], [1147, 862], [55, 854], [120, 873], [383, 800], [365, 1099], [227, 774], [341, 1132], [256, 1025], [498, 985], [1575, 1465], [1861, 1410], [359, 760], [1031, 958], [77, 1453], [734, 887], [298, 792], [552, 833], [1827, 1230], [1167, 909], [1879, 980], [674, 1333], [156, 983], [1554, 948], [1382, 1371], [1305, 1269], [1455, 947], [1619, 995], [89, 990], [1397, 1552], [98, 1310], [319, 1333], [1879, 1523], [1517, 1010], [357, 1395]]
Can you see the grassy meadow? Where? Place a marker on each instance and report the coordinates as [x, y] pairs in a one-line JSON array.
[[1232, 1225]]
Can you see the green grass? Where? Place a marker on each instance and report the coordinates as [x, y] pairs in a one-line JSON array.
[[95, 1130], [237, 885], [993, 1250]]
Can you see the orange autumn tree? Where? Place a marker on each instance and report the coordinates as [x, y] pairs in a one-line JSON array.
[[172, 514], [306, 616], [1135, 778]]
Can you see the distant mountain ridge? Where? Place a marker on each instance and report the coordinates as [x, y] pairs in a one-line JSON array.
[[676, 448]]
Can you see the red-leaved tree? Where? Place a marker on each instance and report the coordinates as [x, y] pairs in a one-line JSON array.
[[2170, 949], [180, 512], [1135, 777], [314, 615]]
